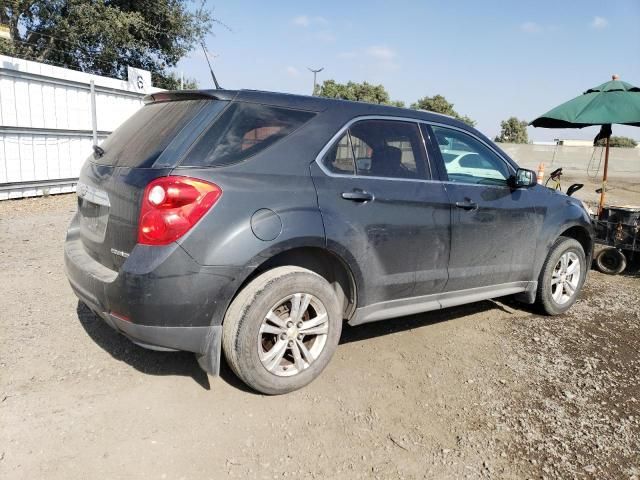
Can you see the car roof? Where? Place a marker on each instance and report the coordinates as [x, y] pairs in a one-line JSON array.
[[306, 102]]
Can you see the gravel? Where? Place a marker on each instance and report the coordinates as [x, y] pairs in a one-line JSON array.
[[488, 390]]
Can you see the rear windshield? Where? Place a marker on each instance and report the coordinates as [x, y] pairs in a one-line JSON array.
[[243, 130], [140, 140]]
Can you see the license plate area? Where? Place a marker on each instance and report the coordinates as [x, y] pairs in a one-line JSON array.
[[93, 206]]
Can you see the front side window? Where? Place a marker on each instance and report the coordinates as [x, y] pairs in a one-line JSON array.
[[379, 148], [468, 160], [243, 130]]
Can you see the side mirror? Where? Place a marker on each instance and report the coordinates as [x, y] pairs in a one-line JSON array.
[[524, 178]]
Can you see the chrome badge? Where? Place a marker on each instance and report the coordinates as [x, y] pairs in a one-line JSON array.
[[120, 253]]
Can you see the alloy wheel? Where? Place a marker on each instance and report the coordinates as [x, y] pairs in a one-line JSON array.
[[565, 278], [293, 334]]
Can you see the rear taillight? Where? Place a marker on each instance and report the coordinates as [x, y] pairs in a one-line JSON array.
[[171, 206]]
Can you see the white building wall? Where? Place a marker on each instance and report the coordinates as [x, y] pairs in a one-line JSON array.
[[46, 128]]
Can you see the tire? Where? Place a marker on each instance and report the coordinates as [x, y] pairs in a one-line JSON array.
[[549, 298], [250, 337], [611, 261]]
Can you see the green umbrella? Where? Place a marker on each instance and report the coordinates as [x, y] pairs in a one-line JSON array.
[[612, 102]]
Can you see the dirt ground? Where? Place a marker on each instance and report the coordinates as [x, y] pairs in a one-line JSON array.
[[488, 390]]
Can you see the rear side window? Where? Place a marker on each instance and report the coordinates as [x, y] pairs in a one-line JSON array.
[[339, 159], [243, 130], [140, 140], [379, 148]]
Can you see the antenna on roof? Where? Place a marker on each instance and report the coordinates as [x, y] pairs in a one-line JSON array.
[[204, 50], [213, 75]]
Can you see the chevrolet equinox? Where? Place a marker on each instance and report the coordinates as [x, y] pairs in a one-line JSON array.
[[256, 223]]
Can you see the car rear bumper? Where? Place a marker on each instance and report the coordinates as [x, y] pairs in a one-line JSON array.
[[160, 298]]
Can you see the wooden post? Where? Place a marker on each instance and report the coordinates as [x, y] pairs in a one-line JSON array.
[[604, 178]]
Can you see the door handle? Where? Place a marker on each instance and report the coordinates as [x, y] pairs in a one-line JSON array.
[[467, 205], [358, 196]]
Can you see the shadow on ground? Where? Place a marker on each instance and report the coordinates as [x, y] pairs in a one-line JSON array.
[[401, 324], [149, 361], [633, 265], [146, 361], [185, 364]]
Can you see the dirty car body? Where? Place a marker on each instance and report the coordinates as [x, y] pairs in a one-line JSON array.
[[357, 193]]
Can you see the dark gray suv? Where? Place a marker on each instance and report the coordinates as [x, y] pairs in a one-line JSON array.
[[256, 223]]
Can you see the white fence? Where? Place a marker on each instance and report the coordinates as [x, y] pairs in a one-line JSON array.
[[623, 162], [49, 119]]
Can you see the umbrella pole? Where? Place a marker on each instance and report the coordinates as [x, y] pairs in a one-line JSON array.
[[604, 177]]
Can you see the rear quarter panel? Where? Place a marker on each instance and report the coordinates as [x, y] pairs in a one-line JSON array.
[[224, 236]]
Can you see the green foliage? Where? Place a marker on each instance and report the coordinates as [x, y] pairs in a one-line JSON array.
[[513, 131], [189, 84], [439, 104], [622, 142], [171, 81], [358, 92], [366, 92], [397, 103], [104, 36]]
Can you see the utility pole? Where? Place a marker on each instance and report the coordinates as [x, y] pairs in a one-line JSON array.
[[315, 72]]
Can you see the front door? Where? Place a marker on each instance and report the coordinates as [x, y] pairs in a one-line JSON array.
[[493, 226], [381, 211]]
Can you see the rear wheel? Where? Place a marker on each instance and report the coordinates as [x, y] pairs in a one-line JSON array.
[[282, 329], [562, 276], [611, 261]]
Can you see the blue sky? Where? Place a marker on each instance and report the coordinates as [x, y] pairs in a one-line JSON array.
[[492, 59]]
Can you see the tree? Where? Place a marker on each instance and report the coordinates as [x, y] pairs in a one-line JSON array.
[[622, 142], [397, 103], [104, 36], [513, 131], [358, 92], [172, 82], [439, 104]]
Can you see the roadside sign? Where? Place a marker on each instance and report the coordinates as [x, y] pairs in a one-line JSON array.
[[139, 80]]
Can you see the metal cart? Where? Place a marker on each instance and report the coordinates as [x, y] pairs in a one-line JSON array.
[[618, 228]]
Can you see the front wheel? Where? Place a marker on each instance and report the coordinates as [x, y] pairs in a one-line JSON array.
[[282, 329], [562, 276]]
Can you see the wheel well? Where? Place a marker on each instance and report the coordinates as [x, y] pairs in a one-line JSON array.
[[582, 236], [324, 263]]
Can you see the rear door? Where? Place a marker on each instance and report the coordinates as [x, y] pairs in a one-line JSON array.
[[381, 209], [493, 227]]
